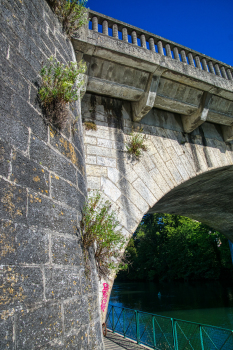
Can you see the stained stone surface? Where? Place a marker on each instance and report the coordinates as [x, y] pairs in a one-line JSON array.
[[186, 174], [46, 300]]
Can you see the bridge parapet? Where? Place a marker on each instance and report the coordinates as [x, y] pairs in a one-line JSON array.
[[136, 36], [127, 63]]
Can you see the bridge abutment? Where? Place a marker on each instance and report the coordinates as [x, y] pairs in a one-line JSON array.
[[46, 300]]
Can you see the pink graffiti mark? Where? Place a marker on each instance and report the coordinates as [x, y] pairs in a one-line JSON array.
[[105, 296]]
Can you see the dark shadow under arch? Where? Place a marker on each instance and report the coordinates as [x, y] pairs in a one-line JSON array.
[[207, 198]]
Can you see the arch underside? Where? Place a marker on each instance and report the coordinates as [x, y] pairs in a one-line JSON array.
[[207, 198]]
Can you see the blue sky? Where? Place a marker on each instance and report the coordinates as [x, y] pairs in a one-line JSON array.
[[202, 25]]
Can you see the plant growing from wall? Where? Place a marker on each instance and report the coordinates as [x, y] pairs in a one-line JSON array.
[[99, 229], [71, 13], [90, 125], [60, 85], [136, 145]]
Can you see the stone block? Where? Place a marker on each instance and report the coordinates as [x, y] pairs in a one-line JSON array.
[[76, 314], [65, 250], [77, 340], [29, 117], [6, 333], [114, 175], [103, 152], [13, 79], [62, 283], [66, 193], [82, 183], [6, 95], [110, 189], [90, 140], [5, 158], [68, 150], [43, 212], [39, 326], [144, 192], [13, 132], [129, 191], [28, 173], [96, 170], [144, 175], [91, 160], [129, 207], [104, 161], [52, 160], [93, 183], [21, 286], [13, 202], [23, 245], [161, 149], [177, 161]]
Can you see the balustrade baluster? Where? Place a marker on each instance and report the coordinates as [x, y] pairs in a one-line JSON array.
[[204, 64], [211, 67], [190, 57], [105, 27], [229, 74], [217, 70], [160, 47], [95, 24], [183, 56], [168, 50], [198, 62], [223, 71], [143, 41], [152, 44], [125, 34], [115, 31], [134, 38], [176, 53]]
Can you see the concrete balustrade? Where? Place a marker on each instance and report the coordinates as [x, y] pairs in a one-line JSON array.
[[95, 24], [223, 71], [193, 58], [211, 67], [217, 69], [134, 38], [125, 34], [190, 58], [152, 44], [198, 62], [168, 50], [105, 27], [160, 47], [183, 56], [229, 74], [204, 64], [115, 31], [176, 53], [143, 41]]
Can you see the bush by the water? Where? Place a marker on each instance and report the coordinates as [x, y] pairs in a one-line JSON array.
[[171, 247]]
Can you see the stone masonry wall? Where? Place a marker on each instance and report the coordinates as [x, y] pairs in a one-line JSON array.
[[46, 300], [172, 158]]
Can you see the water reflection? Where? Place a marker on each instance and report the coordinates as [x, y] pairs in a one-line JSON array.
[[203, 302]]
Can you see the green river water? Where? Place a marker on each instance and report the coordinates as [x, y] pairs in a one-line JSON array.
[[202, 302]]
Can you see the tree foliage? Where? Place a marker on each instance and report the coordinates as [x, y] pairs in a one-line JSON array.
[[171, 247]]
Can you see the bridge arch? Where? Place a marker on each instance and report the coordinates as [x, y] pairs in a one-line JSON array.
[[186, 174]]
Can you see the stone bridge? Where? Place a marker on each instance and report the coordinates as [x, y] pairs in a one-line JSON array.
[[181, 100]]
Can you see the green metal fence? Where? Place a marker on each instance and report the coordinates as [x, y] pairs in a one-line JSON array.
[[164, 333]]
